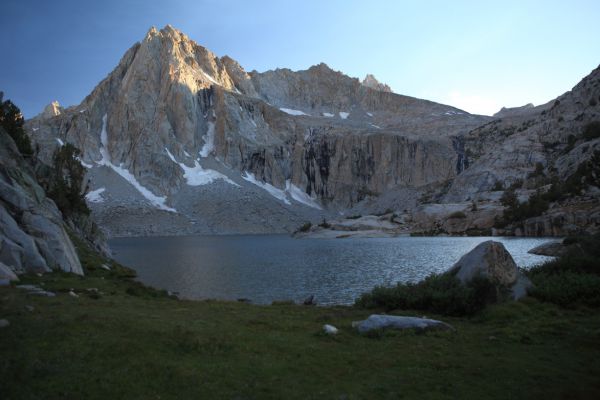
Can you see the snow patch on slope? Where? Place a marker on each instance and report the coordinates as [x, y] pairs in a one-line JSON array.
[[60, 142], [293, 112], [155, 200], [272, 190], [291, 191], [328, 115], [86, 165], [95, 196], [210, 78], [209, 140], [344, 115], [300, 195], [196, 175]]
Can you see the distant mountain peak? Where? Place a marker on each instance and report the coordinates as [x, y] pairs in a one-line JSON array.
[[506, 111], [52, 110], [371, 82]]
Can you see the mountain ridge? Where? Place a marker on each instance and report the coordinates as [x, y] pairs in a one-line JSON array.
[[178, 120]]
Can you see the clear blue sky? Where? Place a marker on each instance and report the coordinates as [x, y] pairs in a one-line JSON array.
[[472, 55]]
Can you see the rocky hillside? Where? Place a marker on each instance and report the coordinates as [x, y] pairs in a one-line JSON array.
[[32, 231], [177, 140]]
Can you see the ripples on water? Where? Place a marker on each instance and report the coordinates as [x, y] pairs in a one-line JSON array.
[[278, 267]]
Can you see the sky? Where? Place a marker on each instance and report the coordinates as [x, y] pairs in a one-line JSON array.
[[475, 55]]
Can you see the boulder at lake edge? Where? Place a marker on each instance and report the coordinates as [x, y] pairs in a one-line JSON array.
[[551, 249], [491, 260]]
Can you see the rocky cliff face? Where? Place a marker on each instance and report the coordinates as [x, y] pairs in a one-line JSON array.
[[530, 148], [32, 231], [186, 129]]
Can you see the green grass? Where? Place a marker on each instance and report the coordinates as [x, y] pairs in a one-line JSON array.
[[131, 342]]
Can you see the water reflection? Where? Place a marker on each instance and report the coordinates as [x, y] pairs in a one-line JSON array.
[[277, 267]]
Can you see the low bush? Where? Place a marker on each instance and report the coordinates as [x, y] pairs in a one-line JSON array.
[[591, 131], [325, 224], [587, 174], [140, 290], [12, 121], [567, 288], [517, 184], [441, 294], [572, 279], [305, 228], [457, 214], [66, 184], [357, 216]]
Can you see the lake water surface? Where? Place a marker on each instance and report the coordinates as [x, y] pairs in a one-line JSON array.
[[264, 268]]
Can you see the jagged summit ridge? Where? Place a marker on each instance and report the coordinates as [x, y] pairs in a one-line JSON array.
[[373, 83]]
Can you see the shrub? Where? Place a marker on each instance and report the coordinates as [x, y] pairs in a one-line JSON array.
[[474, 206], [573, 278], [12, 121], [357, 216], [591, 131], [568, 289], [325, 224], [509, 198], [140, 290], [538, 171], [66, 186], [457, 214], [517, 184], [305, 228], [498, 186], [440, 294]]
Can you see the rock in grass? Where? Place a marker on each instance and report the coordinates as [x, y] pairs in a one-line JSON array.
[[376, 321], [310, 301], [330, 329], [4, 323], [42, 293]]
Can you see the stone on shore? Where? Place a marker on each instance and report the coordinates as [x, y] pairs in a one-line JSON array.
[[551, 249], [376, 321], [491, 260]]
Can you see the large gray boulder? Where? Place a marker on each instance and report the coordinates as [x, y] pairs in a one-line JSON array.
[[53, 242], [17, 248], [377, 321], [32, 231], [491, 260]]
